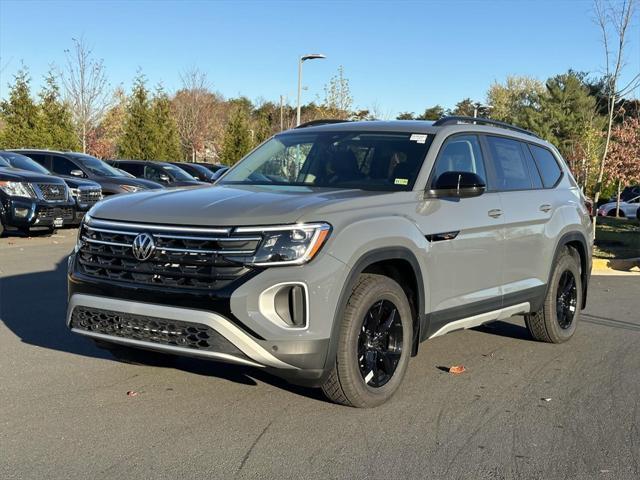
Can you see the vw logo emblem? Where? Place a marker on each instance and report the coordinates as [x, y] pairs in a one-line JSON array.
[[143, 247]]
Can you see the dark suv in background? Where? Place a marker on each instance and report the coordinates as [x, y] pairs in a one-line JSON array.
[[199, 172], [164, 173], [79, 165], [86, 193], [32, 201]]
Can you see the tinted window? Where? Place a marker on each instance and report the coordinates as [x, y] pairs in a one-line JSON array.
[[38, 157], [63, 166], [25, 163], [135, 169], [536, 180], [151, 172], [4, 163], [461, 153], [547, 165], [512, 172]]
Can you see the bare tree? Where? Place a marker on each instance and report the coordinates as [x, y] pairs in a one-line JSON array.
[[86, 89], [613, 19], [195, 111]]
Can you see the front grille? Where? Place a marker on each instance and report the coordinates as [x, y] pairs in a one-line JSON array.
[[52, 192], [176, 333], [90, 196], [183, 258], [65, 213]]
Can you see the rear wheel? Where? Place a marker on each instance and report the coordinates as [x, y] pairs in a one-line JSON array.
[[557, 321], [1, 229], [374, 345]]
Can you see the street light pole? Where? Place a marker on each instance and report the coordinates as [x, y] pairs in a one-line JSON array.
[[302, 59]]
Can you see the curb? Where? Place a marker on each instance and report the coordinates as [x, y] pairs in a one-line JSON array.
[[605, 265]]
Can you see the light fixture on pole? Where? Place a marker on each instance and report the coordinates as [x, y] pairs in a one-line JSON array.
[[311, 56]]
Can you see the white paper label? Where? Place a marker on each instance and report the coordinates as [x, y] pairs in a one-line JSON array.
[[418, 137]]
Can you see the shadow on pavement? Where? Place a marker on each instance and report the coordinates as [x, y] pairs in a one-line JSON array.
[[33, 306]]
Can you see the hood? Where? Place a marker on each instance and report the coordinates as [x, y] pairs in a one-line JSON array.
[[18, 175], [187, 183], [222, 205], [77, 183]]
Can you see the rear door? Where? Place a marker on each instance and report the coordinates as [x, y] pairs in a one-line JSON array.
[[528, 210], [465, 255]]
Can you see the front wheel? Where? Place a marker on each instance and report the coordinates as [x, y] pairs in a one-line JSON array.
[[374, 344], [556, 322]]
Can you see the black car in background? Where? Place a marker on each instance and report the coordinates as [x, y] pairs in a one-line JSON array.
[[219, 172], [31, 201], [162, 172], [197, 171], [214, 167], [86, 193], [79, 165]]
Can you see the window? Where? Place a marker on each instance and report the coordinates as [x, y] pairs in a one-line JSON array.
[[512, 172], [135, 169], [461, 153], [63, 166], [547, 165], [151, 172], [534, 174], [365, 160], [37, 157]]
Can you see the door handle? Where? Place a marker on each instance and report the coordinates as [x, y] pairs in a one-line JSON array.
[[495, 213], [545, 208]]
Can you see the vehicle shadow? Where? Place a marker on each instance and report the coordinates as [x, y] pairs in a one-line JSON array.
[[33, 306], [506, 329]]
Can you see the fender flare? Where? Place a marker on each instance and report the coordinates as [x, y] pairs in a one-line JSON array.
[[369, 258], [585, 267]]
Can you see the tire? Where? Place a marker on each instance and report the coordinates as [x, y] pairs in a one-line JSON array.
[[135, 356], [638, 214], [376, 331], [612, 213], [1, 229], [559, 317]]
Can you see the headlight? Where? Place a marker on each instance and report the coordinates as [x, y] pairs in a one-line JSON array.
[[131, 188], [287, 244], [17, 189]]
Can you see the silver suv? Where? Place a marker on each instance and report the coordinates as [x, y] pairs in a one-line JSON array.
[[331, 251]]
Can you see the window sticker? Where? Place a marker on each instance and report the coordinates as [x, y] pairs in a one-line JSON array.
[[418, 137], [401, 181]]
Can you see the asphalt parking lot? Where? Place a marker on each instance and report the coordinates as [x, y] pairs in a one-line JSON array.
[[522, 410]]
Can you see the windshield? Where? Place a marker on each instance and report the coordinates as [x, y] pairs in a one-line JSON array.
[[177, 173], [25, 163], [98, 167], [4, 163], [363, 160]]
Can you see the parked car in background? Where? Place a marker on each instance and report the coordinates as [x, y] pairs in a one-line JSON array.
[[32, 201], [214, 167], [164, 173], [628, 209], [221, 171], [79, 165], [199, 172], [86, 193], [628, 193]]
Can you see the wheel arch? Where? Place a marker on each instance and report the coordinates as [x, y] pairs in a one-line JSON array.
[[578, 242], [395, 263]]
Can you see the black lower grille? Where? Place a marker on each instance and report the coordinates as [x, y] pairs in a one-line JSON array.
[[175, 333], [53, 213]]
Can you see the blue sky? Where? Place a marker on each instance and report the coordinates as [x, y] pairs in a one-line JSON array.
[[400, 56]]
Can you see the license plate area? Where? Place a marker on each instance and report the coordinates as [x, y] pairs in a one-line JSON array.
[[58, 222]]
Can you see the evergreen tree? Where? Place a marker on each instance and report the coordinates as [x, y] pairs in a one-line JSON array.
[[21, 116], [237, 137], [58, 132], [166, 145], [432, 113], [137, 141]]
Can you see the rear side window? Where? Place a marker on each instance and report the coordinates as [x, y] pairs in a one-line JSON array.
[[461, 153], [63, 166], [547, 165], [135, 169], [512, 172]]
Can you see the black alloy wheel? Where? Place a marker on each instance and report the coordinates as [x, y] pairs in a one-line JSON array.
[[566, 299]]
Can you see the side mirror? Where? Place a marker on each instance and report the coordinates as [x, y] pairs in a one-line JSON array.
[[77, 173], [457, 184], [165, 178]]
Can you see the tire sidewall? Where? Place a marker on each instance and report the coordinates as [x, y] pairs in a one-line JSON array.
[[385, 289]]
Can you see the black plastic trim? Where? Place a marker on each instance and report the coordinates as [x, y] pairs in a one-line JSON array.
[[586, 261]]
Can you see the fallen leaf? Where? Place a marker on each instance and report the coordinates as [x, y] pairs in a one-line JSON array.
[[457, 369], [546, 399], [132, 393]]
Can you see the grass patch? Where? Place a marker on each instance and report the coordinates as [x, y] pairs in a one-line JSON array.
[[617, 238]]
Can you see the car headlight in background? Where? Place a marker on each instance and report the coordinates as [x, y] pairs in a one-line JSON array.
[[17, 189], [286, 244], [131, 188]]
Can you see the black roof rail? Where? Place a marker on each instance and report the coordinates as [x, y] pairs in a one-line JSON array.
[[454, 120], [315, 123]]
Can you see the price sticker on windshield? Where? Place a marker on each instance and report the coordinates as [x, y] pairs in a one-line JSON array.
[[418, 137]]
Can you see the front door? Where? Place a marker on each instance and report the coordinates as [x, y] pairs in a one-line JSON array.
[[464, 256]]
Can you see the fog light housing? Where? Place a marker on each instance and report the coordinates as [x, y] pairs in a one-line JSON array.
[[20, 212], [286, 305]]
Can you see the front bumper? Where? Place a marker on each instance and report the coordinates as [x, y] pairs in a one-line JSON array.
[[19, 212]]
